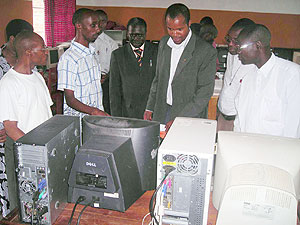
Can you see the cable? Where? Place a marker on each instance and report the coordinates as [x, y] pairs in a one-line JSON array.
[[80, 199], [151, 207], [78, 220], [145, 218]]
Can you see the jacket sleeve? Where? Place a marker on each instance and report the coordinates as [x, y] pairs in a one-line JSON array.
[[115, 86], [204, 87], [153, 90]]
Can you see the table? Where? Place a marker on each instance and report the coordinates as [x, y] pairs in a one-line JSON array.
[[94, 216]]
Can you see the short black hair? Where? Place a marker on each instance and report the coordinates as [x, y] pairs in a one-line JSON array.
[[101, 12], [16, 26], [241, 24], [257, 32], [210, 30], [79, 15], [206, 20], [25, 40], [137, 21], [178, 9]]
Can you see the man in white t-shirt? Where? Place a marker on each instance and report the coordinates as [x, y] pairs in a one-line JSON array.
[[104, 45], [23, 91]]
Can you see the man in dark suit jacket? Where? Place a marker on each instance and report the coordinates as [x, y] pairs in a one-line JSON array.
[[186, 67], [132, 70]]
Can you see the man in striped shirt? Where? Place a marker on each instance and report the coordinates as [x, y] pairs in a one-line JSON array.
[[79, 73]]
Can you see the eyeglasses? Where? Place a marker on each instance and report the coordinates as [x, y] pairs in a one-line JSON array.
[[241, 47], [229, 39], [134, 35], [41, 49]]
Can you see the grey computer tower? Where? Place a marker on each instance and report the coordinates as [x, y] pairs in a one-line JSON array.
[[44, 158], [188, 152]]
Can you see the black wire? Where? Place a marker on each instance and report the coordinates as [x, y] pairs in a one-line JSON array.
[[151, 206], [80, 199], [80, 214]]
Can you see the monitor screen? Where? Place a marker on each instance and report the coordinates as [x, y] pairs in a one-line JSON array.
[[257, 179]]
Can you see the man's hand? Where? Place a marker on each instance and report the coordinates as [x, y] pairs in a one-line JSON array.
[[103, 77], [98, 112], [147, 115], [168, 125], [2, 135]]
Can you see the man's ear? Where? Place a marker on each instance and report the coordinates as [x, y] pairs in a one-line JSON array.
[[11, 39], [78, 26], [28, 52], [259, 45]]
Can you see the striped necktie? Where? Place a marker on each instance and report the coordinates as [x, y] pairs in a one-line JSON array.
[[138, 53]]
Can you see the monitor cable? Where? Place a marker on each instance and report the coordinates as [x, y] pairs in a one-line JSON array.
[[81, 212]]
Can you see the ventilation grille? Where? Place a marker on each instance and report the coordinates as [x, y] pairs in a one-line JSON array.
[[188, 164], [31, 155]]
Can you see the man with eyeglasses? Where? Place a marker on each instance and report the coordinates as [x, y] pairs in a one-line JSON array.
[[269, 98], [233, 76], [132, 70], [104, 46]]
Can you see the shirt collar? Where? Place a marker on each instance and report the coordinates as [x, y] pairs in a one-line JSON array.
[[182, 44], [266, 68], [134, 48], [81, 48]]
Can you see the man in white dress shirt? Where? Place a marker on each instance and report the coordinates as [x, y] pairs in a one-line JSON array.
[[233, 76], [104, 46], [269, 98]]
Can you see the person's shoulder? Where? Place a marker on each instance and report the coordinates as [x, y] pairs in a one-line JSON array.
[[287, 65], [108, 38], [9, 78]]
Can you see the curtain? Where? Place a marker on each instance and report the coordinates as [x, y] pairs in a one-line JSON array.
[[58, 21]]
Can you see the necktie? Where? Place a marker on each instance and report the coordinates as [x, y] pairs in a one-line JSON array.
[[138, 52]]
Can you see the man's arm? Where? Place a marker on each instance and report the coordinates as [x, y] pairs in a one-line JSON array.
[[115, 86], [292, 108], [2, 135], [12, 129], [79, 106], [152, 95]]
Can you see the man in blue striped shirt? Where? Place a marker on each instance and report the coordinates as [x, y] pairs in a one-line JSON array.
[[79, 73]]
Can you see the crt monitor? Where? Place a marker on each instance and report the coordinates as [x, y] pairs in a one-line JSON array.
[[144, 136], [257, 179], [116, 163]]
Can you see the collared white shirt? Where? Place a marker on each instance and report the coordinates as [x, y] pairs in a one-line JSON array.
[[269, 100], [79, 71], [134, 48], [234, 74], [104, 46], [177, 50]]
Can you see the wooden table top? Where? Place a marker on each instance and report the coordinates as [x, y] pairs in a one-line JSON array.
[[95, 216]]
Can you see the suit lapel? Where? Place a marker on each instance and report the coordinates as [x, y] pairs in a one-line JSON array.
[[130, 58], [186, 56]]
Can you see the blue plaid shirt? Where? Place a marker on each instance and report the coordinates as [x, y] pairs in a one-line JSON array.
[[79, 71]]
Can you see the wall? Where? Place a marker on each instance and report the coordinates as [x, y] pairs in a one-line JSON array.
[[284, 27], [13, 9]]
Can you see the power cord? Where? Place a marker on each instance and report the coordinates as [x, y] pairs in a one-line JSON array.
[[80, 199], [80, 214]]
